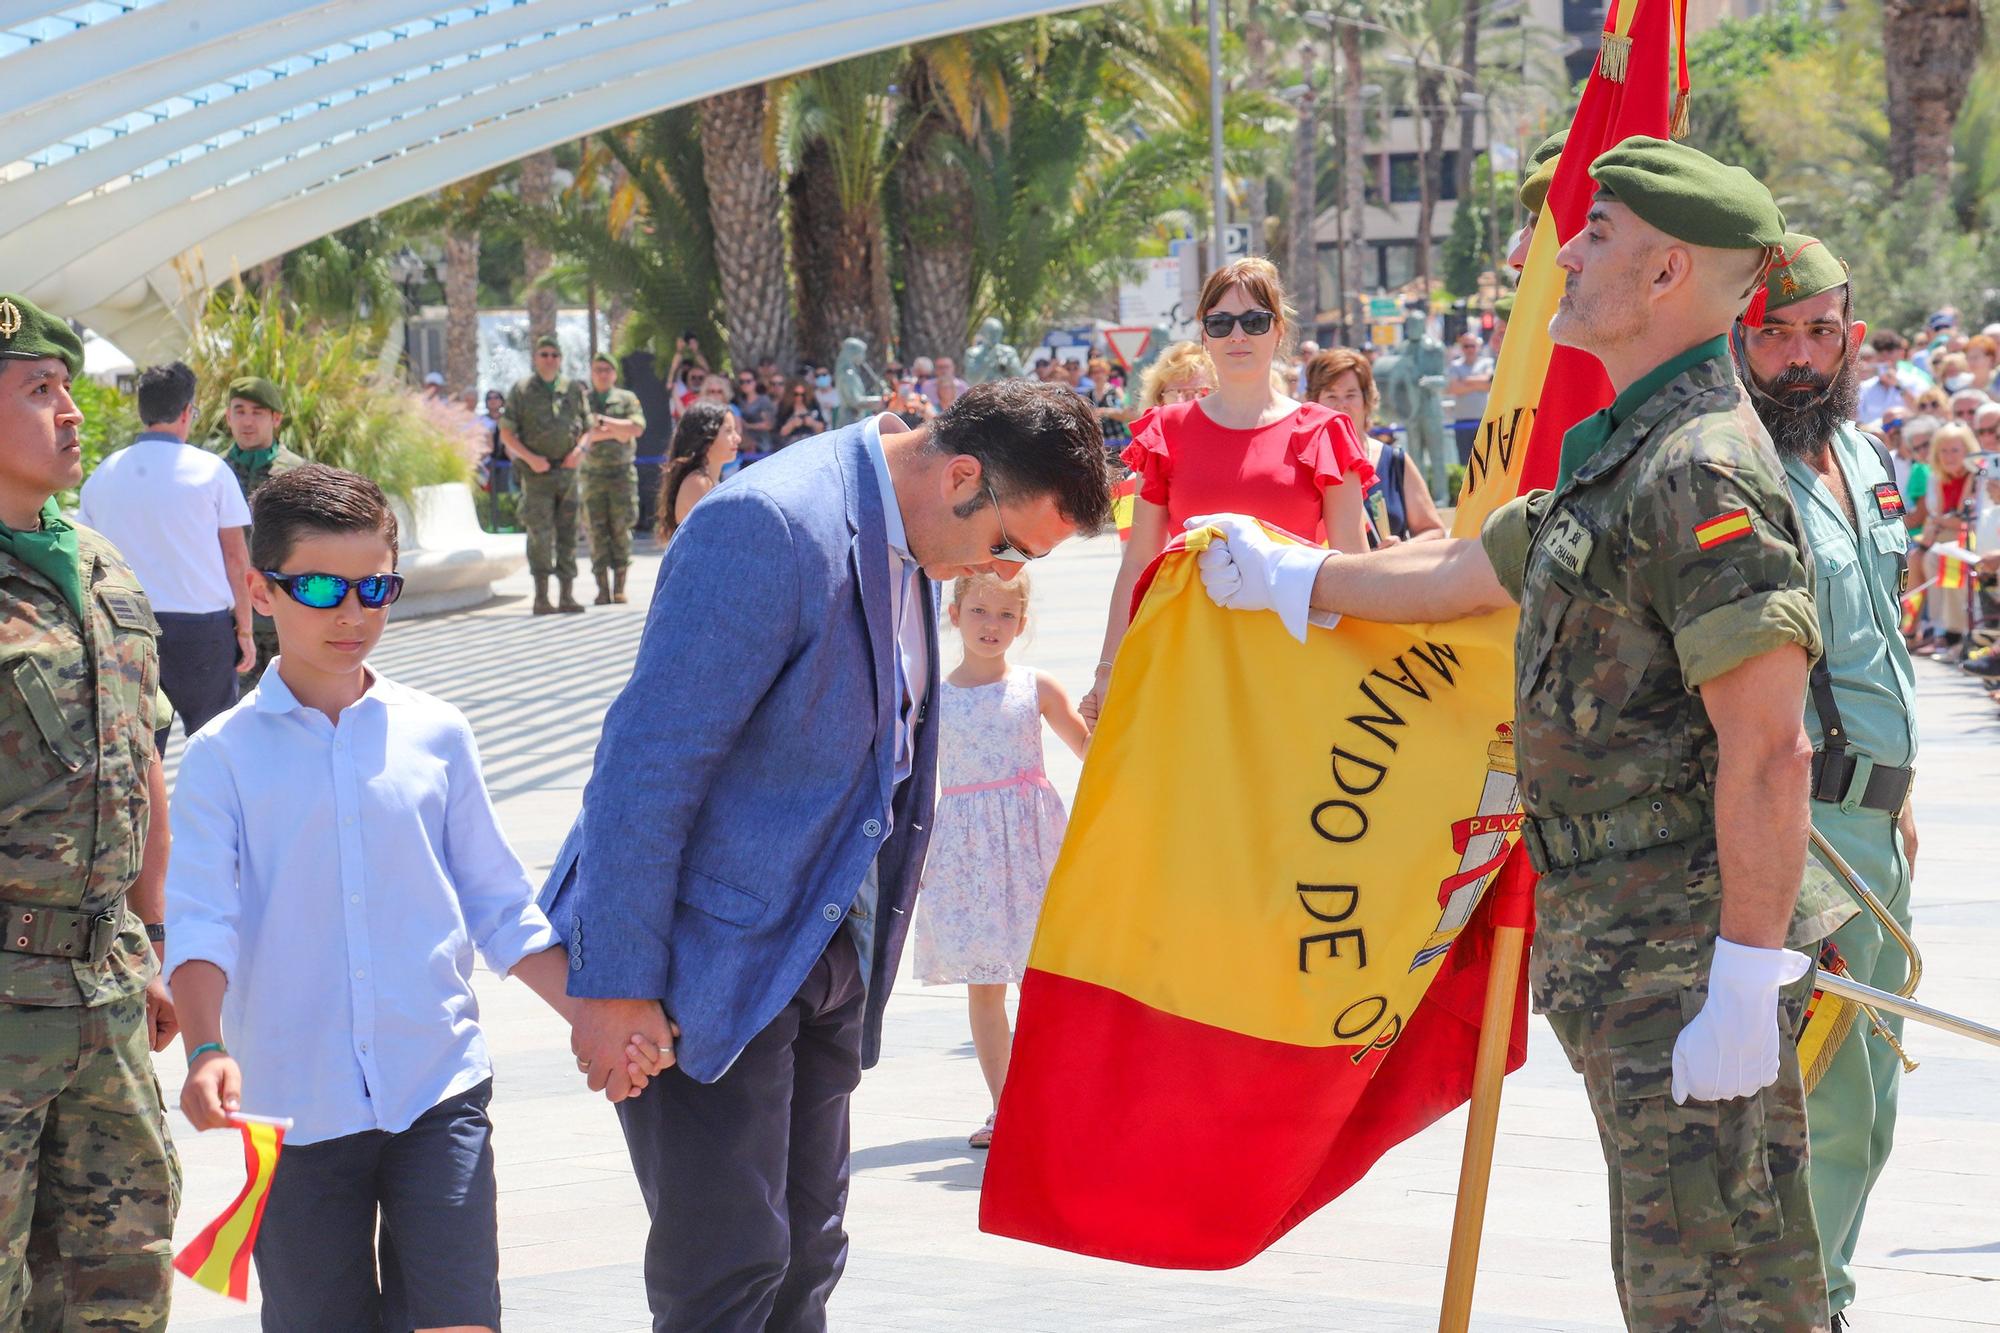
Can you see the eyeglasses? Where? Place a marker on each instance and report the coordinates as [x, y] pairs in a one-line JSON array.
[[1183, 393], [323, 592], [1005, 548], [1219, 324]]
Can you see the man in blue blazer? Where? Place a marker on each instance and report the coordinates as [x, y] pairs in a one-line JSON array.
[[754, 827]]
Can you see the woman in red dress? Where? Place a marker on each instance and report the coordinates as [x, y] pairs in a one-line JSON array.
[[1246, 448]]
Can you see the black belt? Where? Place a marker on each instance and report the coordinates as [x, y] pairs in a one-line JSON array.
[[54, 932], [1833, 780]]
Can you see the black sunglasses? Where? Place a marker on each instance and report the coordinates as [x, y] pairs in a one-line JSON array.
[[1218, 324], [323, 592]]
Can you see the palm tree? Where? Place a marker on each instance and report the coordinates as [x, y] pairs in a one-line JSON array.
[[536, 191], [1303, 263], [953, 89], [1930, 49], [744, 193], [1423, 35], [455, 215]]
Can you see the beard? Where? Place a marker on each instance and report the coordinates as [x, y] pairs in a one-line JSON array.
[[1823, 402]]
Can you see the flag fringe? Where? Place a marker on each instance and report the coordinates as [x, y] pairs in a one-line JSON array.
[[1614, 57], [1677, 124]]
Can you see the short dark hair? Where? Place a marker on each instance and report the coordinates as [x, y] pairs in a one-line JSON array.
[[315, 498], [1888, 340], [164, 393], [1032, 439]]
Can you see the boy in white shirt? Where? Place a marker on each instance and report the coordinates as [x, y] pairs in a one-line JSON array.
[[337, 861]]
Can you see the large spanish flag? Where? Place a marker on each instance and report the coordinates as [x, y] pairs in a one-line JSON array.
[[1264, 948]]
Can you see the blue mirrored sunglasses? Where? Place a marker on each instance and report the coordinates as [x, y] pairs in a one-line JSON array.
[[323, 592]]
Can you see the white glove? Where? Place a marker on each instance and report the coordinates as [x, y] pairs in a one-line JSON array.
[[1731, 1047], [1247, 571]]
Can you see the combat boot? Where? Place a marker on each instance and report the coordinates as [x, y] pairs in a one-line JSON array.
[[618, 586], [542, 606], [567, 603], [603, 587]]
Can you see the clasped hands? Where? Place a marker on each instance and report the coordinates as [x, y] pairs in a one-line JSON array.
[[621, 1045]]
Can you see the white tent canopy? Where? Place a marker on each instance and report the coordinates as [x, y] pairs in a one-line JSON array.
[[143, 138]]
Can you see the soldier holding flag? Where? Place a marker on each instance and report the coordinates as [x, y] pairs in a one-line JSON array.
[[1796, 345], [1666, 628]]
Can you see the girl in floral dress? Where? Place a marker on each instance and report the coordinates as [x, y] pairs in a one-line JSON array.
[[999, 823]]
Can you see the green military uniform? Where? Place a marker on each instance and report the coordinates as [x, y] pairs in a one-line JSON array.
[[1667, 555], [89, 1183], [252, 468], [548, 417], [1862, 776], [611, 493]]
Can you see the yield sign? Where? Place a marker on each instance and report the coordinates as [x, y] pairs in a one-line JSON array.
[[1128, 345]]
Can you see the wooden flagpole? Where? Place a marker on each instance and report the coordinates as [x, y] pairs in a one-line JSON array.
[[1513, 909]]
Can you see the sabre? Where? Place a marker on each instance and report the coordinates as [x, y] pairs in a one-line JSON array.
[[1889, 1002]]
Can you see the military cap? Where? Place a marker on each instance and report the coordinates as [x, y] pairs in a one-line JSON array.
[[29, 333], [546, 340], [1535, 188], [1549, 147], [1804, 268], [1503, 307], [1689, 195], [258, 390]]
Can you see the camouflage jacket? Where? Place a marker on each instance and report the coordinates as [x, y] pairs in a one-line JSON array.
[[76, 745], [613, 457], [547, 416], [1668, 558], [252, 471]]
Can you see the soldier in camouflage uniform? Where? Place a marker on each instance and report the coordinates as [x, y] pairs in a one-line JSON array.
[[255, 455], [89, 1182], [1797, 346], [1666, 627], [542, 428], [610, 479]]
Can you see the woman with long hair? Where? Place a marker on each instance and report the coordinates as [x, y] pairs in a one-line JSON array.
[[1399, 503], [705, 441], [1246, 448], [799, 414]]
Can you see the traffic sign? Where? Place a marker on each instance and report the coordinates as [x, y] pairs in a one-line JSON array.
[[1128, 344]]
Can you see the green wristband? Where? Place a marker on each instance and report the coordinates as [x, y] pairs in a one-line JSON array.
[[204, 1049]]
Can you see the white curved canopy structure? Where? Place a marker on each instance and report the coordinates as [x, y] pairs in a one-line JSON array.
[[138, 133]]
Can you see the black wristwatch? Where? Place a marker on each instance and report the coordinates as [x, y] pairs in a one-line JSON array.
[[156, 932]]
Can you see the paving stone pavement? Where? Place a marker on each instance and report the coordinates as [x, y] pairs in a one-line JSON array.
[[572, 1226]]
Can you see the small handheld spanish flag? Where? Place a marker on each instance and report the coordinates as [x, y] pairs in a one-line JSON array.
[[219, 1258], [1122, 496]]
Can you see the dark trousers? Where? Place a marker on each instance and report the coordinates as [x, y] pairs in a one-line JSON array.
[[197, 667], [745, 1178]]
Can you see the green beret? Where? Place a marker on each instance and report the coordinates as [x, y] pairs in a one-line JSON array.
[[1503, 308], [1549, 147], [256, 389], [547, 340], [1689, 195], [29, 333], [1535, 188], [1804, 268]]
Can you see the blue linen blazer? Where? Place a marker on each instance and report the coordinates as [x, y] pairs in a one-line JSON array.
[[743, 785]]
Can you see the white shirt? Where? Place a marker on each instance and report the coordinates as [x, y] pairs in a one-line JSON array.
[[162, 503], [341, 876], [905, 606], [1877, 398]]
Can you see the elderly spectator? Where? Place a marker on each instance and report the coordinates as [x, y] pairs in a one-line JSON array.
[[946, 386], [1986, 428], [177, 515], [1307, 351], [1469, 376], [1965, 405], [1949, 503], [1180, 373]]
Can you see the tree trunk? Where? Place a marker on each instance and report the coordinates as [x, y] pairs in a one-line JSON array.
[[1468, 118], [837, 256], [934, 234], [743, 204], [1929, 51], [1304, 261], [1432, 118], [1257, 188], [1354, 170], [461, 311], [538, 192]]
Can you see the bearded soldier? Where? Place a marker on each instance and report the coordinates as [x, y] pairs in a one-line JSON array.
[[1797, 344]]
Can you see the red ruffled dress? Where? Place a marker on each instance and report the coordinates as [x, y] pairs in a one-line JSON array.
[[1278, 473]]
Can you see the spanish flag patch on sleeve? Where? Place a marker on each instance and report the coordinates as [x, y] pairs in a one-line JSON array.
[[1722, 528]]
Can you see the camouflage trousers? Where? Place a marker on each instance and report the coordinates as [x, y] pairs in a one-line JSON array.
[[89, 1181], [548, 512], [1852, 1112], [610, 508], [1711, 1214], [264, 632]]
